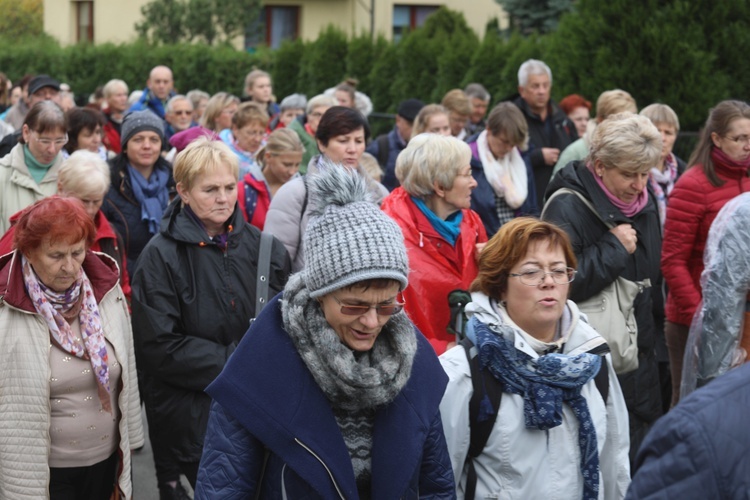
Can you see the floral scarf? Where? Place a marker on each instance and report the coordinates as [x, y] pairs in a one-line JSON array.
[[54, 306], [662, 184]]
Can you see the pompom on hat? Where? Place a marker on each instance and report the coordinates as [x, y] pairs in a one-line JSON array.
[[349, 239]]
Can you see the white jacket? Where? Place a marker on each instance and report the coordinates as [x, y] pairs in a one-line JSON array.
[[18, 189], [25, 388], [520, 463]]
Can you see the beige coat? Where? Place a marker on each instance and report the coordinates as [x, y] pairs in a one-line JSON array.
[[18, 189], [25, 374]]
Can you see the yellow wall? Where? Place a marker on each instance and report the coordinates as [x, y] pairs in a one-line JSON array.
[[114, 20]]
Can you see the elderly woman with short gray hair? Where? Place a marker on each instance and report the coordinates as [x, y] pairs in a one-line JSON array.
[[442, 234], [613, 181]]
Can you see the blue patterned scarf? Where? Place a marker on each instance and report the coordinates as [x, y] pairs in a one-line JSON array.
[[545, 384], [151, 194], [449, 229]]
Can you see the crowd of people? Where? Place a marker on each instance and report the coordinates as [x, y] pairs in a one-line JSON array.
[[305, 310]]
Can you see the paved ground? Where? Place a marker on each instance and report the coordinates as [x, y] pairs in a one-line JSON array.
[[144, 477]]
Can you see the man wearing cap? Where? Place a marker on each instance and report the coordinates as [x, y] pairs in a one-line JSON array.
[[159, 89], [387, 146], [41, 88]]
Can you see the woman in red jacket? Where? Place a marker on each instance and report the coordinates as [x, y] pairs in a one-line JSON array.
[[442, 234], [717, 172]]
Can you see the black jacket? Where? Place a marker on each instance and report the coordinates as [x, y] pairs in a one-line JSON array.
[[123, 211], [557, 131], [192, 303], [601, 259]]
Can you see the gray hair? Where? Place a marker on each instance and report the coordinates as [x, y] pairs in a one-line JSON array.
[[430, 158], [626, 141], [111, 86], [532, 67], [83, 173], [174, 99], [196, 96], [661, 113], [477, 91], [294, 101], [318, 101]]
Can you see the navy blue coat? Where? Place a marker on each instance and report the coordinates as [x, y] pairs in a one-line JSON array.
[[395, 146], [700, 449], [483, 196], [266, 399]]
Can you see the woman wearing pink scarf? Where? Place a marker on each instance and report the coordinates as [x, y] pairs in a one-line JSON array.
[[68, 390], [614, 180]]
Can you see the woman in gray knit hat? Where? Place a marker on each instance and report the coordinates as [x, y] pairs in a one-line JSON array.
[[332, 393]]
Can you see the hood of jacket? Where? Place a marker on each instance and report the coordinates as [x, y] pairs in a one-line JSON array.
[[101, 270], [178, 225], [578, 336]]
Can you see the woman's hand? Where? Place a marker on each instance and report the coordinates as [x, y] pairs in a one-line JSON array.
[[627, 236]]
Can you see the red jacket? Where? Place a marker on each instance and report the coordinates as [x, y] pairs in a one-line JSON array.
[[693, 206], [106, 241], [435, 267], [111, 137]]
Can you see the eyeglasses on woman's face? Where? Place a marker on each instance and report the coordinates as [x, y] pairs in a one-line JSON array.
[[381, 309], [535, 277]]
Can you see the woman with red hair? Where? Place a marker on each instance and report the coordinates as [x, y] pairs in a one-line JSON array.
[[578, 110], [68, 388]]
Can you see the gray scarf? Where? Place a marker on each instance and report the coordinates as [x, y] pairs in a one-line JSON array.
[[350, 382]]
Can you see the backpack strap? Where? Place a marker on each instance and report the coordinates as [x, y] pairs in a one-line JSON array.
[[486, 388], [601, 380], [384, 149]]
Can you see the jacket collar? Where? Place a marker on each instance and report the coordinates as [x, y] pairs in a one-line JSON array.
[[101, 270], [306, 417], [178, 225]]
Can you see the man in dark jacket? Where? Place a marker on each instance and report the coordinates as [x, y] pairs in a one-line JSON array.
[[387, 146], [699, 449], [550, 129]]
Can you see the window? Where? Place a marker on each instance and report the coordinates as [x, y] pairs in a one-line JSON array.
[[408, 17], [85, 21], [275, 25]]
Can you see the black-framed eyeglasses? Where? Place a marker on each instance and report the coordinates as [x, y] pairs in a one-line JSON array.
[[380, 309], [536, 277]]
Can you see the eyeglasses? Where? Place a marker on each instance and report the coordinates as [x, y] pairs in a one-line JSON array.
[[740, 139], [316, 114], [58, 143], [536, 277], [381, 309], [181, 113]]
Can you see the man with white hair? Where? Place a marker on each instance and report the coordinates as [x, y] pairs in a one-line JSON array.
[[179, 115], [550, 129], [159, 89]]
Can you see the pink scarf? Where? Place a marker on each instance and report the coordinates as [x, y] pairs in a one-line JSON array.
[[628, 209], [52, 305]]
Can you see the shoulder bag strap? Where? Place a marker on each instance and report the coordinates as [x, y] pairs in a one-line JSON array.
[[264, 270], [585, 200]]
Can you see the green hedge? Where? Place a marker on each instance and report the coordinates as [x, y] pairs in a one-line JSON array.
[[685, 54]]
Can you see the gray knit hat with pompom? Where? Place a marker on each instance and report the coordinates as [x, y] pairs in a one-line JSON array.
[[349, 239]]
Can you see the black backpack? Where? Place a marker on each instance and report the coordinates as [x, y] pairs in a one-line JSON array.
[[484, 383]]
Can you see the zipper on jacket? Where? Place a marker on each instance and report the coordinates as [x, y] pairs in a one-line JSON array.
[[324, 466]]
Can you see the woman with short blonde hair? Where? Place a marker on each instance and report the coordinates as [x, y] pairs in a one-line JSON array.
[[443, 235]]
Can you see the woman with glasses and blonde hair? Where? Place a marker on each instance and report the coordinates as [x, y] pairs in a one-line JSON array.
[[612, 186], [348, 407], [717, 172], [29, 172], [562, 408]]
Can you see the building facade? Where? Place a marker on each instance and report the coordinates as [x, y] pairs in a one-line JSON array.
[[100, 21]]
